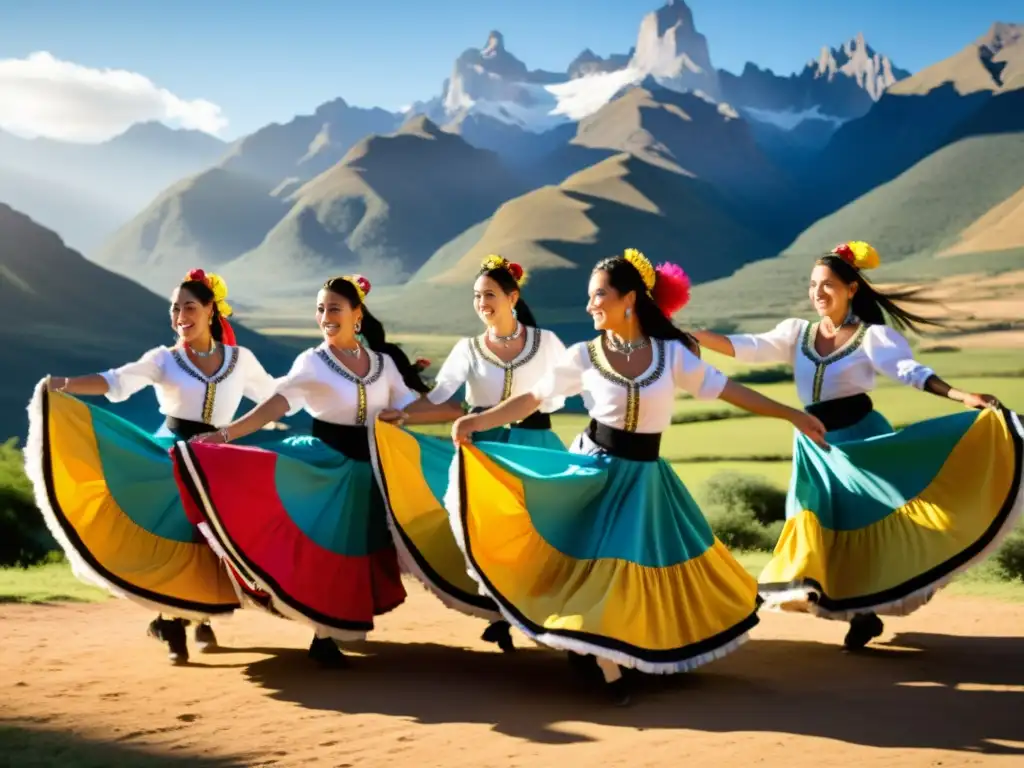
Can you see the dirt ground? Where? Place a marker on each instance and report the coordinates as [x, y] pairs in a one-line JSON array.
[[942, 687]]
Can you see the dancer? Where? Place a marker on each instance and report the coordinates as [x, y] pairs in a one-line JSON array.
[[508, 359], [305, 521], [601, 550], [881, 523], [107, 489]]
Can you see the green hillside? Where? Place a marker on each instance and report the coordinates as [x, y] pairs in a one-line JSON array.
[[910, 220]]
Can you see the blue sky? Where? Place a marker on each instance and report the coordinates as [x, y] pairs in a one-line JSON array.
[[266, 60]]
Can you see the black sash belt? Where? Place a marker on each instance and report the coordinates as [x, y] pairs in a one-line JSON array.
[[348, 439], [635, 446], [535, 420], [183, 429], [842, 412]]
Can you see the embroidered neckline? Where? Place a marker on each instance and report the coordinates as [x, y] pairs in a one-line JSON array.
[[372, 375], [526, 354], [211, 382], [847, 348], [633, 386], [822, 363], [226, 367]]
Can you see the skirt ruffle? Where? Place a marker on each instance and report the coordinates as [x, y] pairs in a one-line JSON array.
[[302, 523], [599, 555], [108, 494], [880, 524], [412, 471]]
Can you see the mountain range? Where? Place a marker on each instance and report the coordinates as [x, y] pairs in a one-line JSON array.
[[654, 148]]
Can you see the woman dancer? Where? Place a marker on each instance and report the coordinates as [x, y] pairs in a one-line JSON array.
[[305, 522], [880, 524], [107, 488], [508, 359], [602, 550]]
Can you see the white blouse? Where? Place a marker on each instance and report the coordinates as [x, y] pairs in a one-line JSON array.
[[489, 380], [319, 383], [643, 404], [849, 370], [184, 392]]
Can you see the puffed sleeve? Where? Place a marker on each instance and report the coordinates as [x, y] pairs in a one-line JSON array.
[[776, 346], [554, 350], [453, 374], [125, 381], [259, 385], [693, 375], [890, 354], [399, 394], [565, 378], [294, 385]]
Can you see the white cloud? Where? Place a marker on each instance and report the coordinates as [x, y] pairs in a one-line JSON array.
[[43, 96]]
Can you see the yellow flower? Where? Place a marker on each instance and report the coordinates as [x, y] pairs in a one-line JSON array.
[[864, 255], [220, 293], [643, 266]]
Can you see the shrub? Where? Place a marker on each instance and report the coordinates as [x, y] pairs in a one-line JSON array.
[[762, 501], [1010, 556], [737, 529], [24, 539]]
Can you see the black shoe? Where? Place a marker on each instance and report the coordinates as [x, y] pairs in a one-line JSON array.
[[499, 632], [585, 666], [864, 628], [618, 690], [325, 652], [204, 638], [172, 632]]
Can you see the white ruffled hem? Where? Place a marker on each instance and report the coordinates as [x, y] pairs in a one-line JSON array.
[[797, 599], [84, 572]]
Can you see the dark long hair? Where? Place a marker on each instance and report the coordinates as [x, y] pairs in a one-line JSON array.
[[508, 284], [874, 307], [375, 336], [624, 277], [204, 295]]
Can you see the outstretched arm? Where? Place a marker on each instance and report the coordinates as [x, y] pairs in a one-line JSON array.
[[93, 384], [716, 342], [423, 411], [755, 402], [937, 386], [512, 410], [891, 355], [272, 409]]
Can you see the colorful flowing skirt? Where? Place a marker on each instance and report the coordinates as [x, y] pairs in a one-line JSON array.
[[600, 554], [885, 519], [412, 471], [108, 494], [303, 522]]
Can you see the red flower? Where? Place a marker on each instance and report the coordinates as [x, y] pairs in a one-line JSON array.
[[845, 253], [197, 275], [422, 362], [516, 270]]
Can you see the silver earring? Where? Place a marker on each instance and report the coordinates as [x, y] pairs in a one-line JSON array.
[[514, 313], [359, 327], [629, 312]]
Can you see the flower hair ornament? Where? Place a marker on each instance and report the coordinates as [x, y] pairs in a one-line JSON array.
[[219, 288], [667, 284], [858, 254], [360, 283], [494, 261]]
